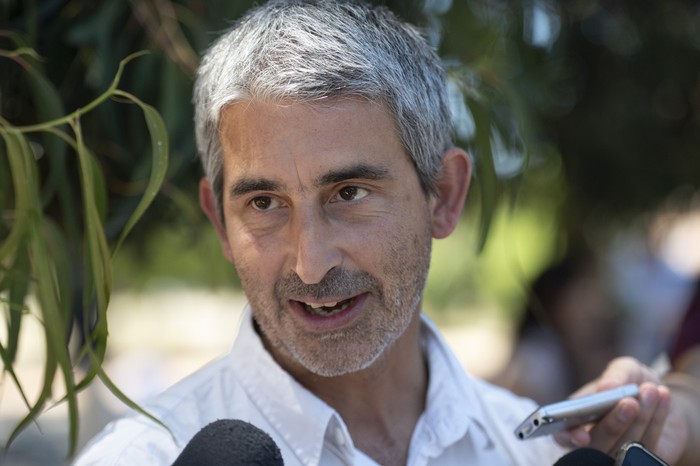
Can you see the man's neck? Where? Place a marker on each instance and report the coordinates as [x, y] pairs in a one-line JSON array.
[[381, 404]]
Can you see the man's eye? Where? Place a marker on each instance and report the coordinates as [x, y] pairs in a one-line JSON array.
[[263, 203], [351, 193]]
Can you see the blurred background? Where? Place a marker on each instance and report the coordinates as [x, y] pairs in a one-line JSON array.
[[580, 240]]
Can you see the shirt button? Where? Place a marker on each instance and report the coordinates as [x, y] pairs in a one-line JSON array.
[[339, 437]]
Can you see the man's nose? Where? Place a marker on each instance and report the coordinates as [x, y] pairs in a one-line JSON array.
[[316, 251]]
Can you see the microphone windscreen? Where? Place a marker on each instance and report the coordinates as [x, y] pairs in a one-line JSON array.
[[230, 442], [585, 457]]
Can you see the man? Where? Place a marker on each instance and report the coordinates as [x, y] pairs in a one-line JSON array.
[[325, 134]]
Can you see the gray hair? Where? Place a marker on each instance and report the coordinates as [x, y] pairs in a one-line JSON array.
[[309, 50]]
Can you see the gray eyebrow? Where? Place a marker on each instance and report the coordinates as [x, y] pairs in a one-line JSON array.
[[245, 186], [360, 171]]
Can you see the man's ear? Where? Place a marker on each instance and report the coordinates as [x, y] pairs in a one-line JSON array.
[[207, 200], [452, 191]]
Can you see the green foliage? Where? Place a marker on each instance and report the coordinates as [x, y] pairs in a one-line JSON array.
[[37, 253], [628, 119]]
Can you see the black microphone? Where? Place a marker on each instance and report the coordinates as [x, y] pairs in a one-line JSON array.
[[585, 457], [230, 442]]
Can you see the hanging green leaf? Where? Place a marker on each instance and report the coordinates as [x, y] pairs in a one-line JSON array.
[[159, 168], [34, 258]]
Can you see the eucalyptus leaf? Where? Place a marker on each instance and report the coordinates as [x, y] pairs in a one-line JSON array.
[[37, 255], [159, 167]]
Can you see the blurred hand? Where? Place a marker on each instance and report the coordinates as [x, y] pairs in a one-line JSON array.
[[651, 419]]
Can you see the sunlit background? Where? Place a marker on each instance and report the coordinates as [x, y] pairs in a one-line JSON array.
[[584, 125]]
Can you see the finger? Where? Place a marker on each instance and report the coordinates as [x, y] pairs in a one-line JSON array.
[[610, 431], [646, 419], [656, 426], [573, 438]]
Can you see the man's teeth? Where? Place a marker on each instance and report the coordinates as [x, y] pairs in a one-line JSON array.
[[316, 306], [327, 309]]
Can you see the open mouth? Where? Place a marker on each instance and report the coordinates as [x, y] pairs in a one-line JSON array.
[[327, 309]]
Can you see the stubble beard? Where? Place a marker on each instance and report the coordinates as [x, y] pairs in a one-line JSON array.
[[390, 309]]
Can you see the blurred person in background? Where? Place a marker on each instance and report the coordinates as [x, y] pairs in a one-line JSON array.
[[568, 332], [325, 134], [684, 354], [653, 268], [684, 358]]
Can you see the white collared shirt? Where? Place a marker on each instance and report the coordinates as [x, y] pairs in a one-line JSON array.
[[466, 421]]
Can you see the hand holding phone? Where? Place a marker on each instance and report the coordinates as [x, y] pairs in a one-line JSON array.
[[573, 412]]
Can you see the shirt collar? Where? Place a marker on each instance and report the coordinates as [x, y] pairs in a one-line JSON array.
[[282, 400], [452, 405]]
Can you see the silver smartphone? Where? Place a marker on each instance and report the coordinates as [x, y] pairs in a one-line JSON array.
[[634, 454], [566, 414]]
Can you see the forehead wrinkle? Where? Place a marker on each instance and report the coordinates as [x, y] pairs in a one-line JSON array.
[[300, 184]]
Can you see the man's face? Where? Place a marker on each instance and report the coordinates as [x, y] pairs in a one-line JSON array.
[[328, 228]]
